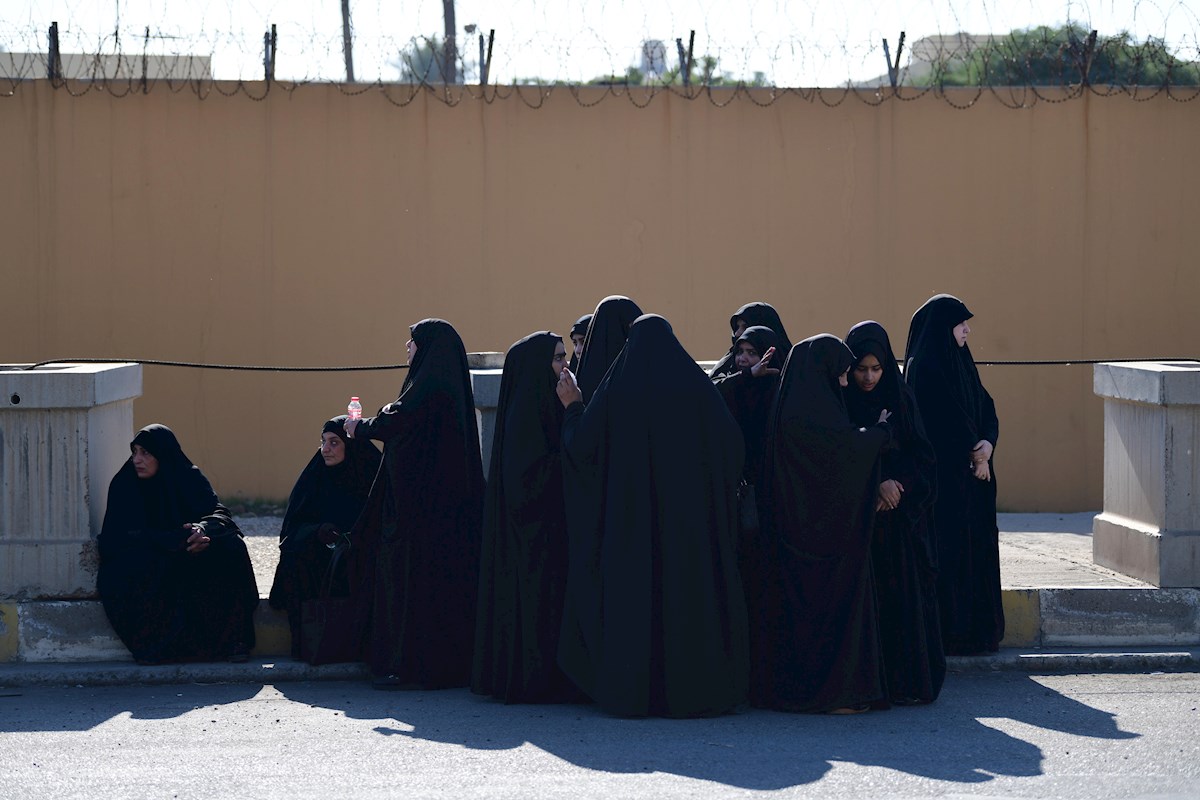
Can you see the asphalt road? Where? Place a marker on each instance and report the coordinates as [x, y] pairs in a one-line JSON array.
[[990, 735]]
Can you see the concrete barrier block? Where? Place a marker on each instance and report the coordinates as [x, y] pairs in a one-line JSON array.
[[1120, 617]]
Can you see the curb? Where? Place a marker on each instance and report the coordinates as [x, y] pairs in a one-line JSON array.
[[1074, 661], [118, 673]]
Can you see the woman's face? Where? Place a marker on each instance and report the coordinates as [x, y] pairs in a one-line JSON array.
[[747, 355], [843, 381], [960, 333], [333, 449], [144, 464], [577, 340], [560, 359], [867, 373], [740, 329], [411, 347]]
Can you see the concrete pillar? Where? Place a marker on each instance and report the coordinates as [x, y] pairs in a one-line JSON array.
[[1150, 526], [64, 432]]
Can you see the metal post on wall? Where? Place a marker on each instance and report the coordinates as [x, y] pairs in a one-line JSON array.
[[893, 70], [269, 42], [54, 59], [347, 47]]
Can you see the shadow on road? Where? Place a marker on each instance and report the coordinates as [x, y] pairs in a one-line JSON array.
[[83, 708], [951, 740]]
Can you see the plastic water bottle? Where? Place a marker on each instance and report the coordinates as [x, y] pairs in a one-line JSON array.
[[354, 410]]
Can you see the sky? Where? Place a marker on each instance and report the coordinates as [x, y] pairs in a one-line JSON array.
[[792, 42]]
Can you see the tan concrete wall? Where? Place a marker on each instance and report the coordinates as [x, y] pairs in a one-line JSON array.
[[313, 228]]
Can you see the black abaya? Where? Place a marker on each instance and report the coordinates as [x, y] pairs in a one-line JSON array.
[[523, 566], [415, 549], [959, 413], [165, 603], [902, 550], [324, 498], [605, 337], [758, 314], [655, 622], [820, 477]]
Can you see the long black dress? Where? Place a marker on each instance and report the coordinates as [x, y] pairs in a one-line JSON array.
[[580, 328], [167, 604], [902, 551], [655, 622], [758, 314], [328, 498], [605, 337], [523, 569], [821, 475], [958, 412], [416, 545]]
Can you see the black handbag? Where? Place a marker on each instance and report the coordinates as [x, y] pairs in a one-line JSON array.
[[747, 508], [329, 627]]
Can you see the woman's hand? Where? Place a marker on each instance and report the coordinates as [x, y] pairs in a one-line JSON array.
[[568, 389], [982, 451], [350, 425], [884, 416], [198, 542], [889, 495], [982, 471], [761, 368]]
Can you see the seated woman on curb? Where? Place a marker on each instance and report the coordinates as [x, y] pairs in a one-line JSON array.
[[175, 577], [327, 499]]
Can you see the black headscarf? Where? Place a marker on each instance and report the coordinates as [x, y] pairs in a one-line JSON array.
[[655, 620], [931, 342], [869, 338], [524, 556], [606, 336], [153, 510], [332, 494], [580, 328], [820, 477], [755, 314]]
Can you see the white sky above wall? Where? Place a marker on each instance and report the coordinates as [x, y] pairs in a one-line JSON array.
[[793, 42]]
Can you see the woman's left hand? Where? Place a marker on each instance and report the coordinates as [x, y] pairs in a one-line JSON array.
[[198, 542], [350, 425], [760, 369], [567, 389], [982, 451]]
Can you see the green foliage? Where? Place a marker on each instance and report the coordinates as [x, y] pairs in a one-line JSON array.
[[422, 61], [704, 73], [1064, 56]]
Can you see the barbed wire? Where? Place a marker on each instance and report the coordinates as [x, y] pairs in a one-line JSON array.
[[760, 51]]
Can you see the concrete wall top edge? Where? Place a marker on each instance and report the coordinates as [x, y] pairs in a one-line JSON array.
[[1173, 383], [69, 386]]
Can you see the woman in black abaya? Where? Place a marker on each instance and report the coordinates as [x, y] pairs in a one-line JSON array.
[[523, 570], [750, 390], [820, 477], [655, 622], [326, 500], [175, 577], [416, 546], [605, 337], [748, 316], [962, 425], [903, 553]]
